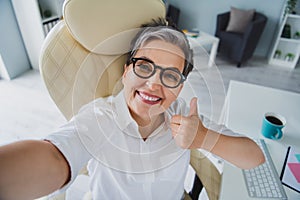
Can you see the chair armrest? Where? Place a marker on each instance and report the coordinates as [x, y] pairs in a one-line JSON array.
[[256, 27], [222, 22], [253, 32], [207, 173]]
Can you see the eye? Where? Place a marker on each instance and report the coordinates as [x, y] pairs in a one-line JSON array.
[[171, 76], [144, 68]]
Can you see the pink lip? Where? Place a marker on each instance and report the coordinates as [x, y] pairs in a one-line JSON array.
[[142, 96]]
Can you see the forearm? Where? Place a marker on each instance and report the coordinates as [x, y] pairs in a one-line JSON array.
[[240, 151], [30, 169]]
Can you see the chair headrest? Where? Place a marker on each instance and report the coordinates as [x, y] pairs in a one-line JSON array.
[[87, 22]]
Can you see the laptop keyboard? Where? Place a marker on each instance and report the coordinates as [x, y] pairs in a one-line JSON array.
[[263, 181]]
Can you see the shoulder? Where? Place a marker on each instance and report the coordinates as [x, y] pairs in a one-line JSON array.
[[99, 104]]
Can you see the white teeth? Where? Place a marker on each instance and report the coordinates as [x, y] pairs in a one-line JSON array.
[[148, 98]]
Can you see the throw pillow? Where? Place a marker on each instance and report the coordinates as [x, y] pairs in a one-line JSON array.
[[239, 19]]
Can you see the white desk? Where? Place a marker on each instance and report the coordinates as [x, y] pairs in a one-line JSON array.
[[206, 39], [244, 109]]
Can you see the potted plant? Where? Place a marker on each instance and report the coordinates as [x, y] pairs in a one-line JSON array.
[[290, 7], [297, 35], [277, 54], [289, 57]]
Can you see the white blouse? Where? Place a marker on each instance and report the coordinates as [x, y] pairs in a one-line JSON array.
[[121, 164]]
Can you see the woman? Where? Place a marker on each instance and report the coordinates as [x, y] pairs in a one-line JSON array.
[[136, 143]]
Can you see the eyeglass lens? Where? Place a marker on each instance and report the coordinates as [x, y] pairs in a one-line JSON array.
[[169, 76]]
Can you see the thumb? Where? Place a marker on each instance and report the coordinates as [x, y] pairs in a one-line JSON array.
[[193, 107]]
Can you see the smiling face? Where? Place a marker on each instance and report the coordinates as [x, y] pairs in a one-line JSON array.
[[148, 98]]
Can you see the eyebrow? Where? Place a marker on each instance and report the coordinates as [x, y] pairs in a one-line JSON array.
[[147, 59], [151, 61]]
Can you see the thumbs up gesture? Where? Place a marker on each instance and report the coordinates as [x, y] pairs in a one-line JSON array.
[[188, 131]]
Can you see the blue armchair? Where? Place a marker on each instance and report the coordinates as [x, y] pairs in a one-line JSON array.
[[239, 47]]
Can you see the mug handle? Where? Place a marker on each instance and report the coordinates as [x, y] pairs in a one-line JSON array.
[[278, 135]]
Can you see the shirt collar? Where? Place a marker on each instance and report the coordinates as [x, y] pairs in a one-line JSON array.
[[122, 115]]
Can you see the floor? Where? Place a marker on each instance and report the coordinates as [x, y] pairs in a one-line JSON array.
[[27, 111]]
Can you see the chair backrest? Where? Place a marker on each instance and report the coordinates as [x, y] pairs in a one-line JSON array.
[[83, 55], [173, 14], [223, 20], [259, 16]]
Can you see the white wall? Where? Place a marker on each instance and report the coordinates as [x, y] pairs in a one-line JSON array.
[[202, 14], [30, 24], [14, 58]]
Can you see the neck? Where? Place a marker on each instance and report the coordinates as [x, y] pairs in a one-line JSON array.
[[147, 126]]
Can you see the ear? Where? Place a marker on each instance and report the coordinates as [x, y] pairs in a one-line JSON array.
[[124, 73]]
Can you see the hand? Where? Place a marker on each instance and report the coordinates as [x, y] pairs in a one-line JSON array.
[[188, 131]]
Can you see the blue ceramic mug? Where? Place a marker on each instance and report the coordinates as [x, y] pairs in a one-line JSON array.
[[272, 125]]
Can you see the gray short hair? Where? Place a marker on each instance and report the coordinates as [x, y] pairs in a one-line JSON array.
[[159, 30]]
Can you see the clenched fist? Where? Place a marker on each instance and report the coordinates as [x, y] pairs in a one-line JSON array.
[[188, 131]]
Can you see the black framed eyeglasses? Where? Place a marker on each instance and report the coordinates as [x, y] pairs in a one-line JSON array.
[[170, 77]]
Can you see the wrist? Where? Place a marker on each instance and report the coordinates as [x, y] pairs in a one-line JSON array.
[[200, 137], [209, 140]]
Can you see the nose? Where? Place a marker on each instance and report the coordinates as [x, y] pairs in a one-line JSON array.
[[154, 81]]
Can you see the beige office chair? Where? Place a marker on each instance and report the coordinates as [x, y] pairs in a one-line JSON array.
[[84, 54]]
